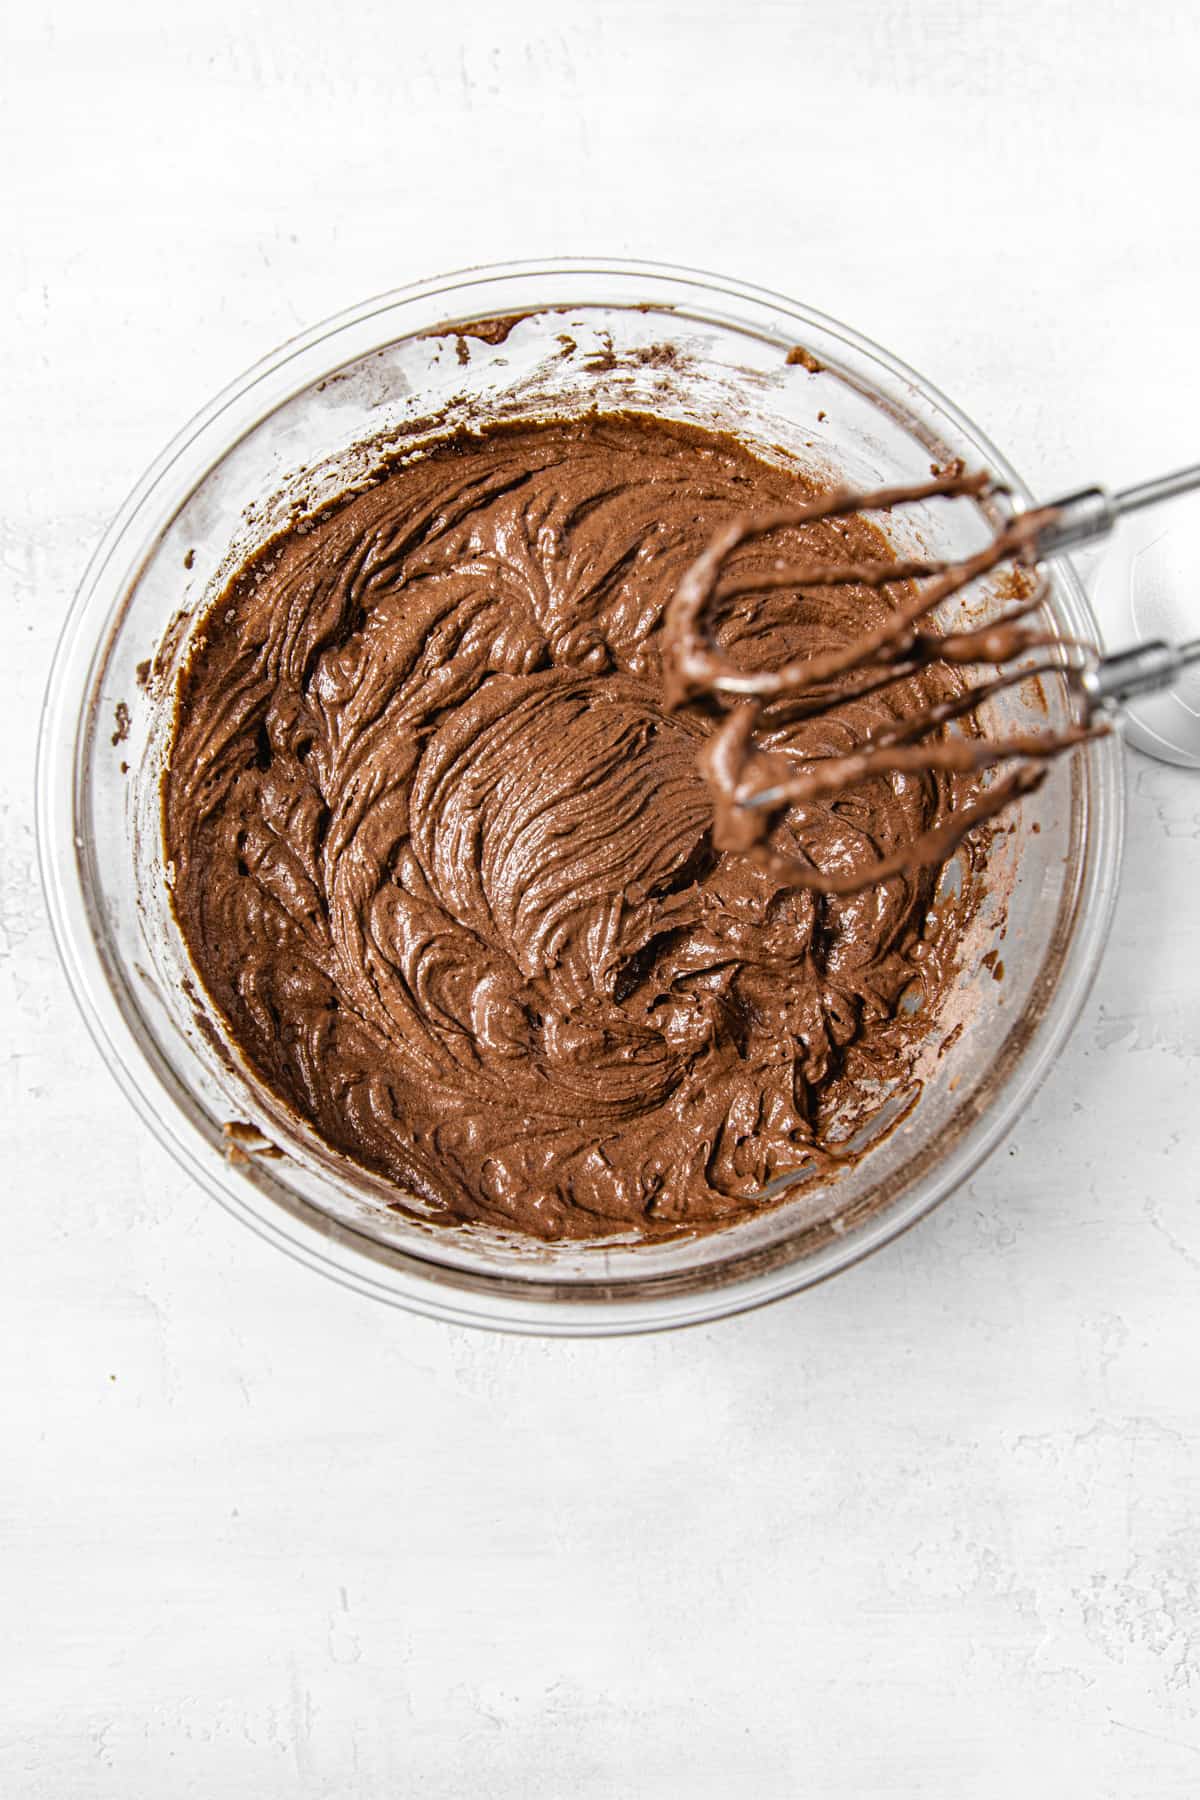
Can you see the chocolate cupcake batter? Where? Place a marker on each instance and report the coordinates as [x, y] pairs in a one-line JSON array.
[[441, 850]]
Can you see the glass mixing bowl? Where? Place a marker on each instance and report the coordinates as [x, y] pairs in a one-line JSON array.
[[564, 337]]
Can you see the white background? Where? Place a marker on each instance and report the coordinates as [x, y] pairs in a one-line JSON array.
[[933, 1529]]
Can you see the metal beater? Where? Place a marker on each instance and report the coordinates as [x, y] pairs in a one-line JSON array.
[[750, 791]]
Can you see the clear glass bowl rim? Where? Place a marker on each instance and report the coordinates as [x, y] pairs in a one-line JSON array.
[[405, 1279]]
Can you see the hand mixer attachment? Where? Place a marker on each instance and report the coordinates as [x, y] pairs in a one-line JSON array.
[[754, 789]]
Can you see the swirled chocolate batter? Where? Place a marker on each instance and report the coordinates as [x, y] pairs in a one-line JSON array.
[[442, 852]]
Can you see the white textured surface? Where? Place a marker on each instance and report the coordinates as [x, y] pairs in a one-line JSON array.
[[933, 1529]]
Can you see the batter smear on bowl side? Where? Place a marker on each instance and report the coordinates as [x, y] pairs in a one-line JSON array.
[[442, 850]]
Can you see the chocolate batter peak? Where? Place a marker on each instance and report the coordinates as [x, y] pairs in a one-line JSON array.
[[442, 851]]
